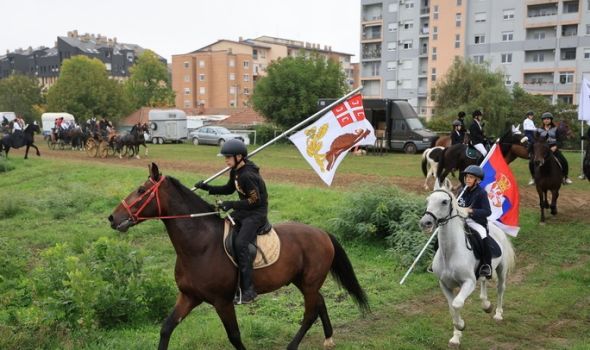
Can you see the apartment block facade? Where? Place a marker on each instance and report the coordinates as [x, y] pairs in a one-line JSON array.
[[224, 74], [406, 45]]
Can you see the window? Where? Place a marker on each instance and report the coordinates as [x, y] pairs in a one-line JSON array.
[[568, 54], [232, 63], [187, 91], [570, 6], [507, 80], [539, 35], [201, 63], [457, 41], [391, 84], [186, 64], [201, 77], [391, 65], [232, 103], [391, 46], [434, 33], [566, 77], [478, 59], [202, 90], [507, 36], [458, 20], [393, 7], [187, 103], [539, 57], [459, 2], [588, 28], [506, 58], [480, 39], [246, 91], [568, 99], [232, 76], [409, 4], [508, 14], [232, 90], [392, 27], [433, 75], [435, 12], [408, 44], [434, 53], [246, 64], [587, 54], [187, 78], [407, 64], [481, 17], [408, 24], [246, 77]]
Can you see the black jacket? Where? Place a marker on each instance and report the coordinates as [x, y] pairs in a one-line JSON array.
[[476, 198], [457, 137], [251, 190], [476, 133]]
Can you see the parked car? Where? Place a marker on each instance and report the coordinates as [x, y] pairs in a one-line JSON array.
[[214, 135]]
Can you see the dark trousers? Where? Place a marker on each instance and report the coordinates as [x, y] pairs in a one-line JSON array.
[[248, 227], [564, 164]]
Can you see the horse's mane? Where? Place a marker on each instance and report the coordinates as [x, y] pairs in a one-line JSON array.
[[189, 196]]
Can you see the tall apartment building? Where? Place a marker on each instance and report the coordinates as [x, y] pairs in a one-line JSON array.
[[45, 63], [544, 45], [224, 74]]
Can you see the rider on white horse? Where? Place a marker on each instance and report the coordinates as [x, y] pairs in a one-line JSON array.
[[475, 200]]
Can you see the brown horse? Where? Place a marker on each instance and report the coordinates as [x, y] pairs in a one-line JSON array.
[[548, 175], [204, 273]]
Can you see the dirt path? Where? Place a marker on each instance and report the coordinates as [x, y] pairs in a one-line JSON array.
[[572, 204]]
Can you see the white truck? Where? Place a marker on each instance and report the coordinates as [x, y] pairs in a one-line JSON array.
[[167, 125], [48, 121]]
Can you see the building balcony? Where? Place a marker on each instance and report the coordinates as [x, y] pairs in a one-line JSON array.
[[543, 44], [570, 17], [569, 41], [540, 2], [542, 86], [541, 21], [371, 55], [372, 20], [425, 12], [548, 63], [371, 37], [422, 91]]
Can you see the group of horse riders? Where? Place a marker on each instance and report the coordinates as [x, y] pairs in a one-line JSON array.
[[16, 128]]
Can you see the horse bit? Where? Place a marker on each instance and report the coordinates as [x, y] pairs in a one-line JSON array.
[[446, 219]]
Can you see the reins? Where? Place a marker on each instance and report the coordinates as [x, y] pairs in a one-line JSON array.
[[446, 219], [151, 193]]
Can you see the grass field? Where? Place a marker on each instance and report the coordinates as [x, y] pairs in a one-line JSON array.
[[50, 200]]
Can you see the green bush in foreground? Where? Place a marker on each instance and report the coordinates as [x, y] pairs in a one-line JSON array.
[[384, 213]]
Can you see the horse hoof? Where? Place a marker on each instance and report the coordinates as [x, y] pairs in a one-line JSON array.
[[454, 345], [489, 308], [542, 223], [498, 318], [329, 343]]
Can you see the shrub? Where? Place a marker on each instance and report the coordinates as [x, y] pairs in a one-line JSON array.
[[265, 133], [381, 213], [5, 166]]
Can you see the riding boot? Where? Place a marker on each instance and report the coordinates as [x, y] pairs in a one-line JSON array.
[[248, 294], [485, 268]]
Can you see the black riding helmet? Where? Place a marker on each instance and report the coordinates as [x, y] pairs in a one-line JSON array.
[[476, 113], [475, 171], [234, 147]]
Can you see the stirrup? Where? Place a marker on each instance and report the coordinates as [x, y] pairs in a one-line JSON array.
[[486, 271]]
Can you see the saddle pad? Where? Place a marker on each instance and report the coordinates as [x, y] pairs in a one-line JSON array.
[[472, 153], [476, 244], [269, 243]]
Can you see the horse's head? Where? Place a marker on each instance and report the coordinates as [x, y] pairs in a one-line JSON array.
[[439, 208], [141, 204], [32, 128], [541, 150]]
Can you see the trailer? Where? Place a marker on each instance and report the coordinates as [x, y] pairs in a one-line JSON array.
[[48, 121], [167, 125]]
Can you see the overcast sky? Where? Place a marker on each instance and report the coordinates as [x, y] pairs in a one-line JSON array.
[[174, 26]]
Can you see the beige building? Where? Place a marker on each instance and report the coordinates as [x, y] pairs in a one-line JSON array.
[[223, 74]]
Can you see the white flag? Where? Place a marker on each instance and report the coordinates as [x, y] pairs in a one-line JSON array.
[[325, 143], [584, 105]]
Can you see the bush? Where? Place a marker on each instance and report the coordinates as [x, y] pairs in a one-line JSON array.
[[105, 286], [265, 133], [5, 166], [387, 214]]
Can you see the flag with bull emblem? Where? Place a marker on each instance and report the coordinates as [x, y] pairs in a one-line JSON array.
[[500, 184], [325, 143]]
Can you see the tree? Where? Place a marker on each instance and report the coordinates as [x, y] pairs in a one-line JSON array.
[[85, 90], [468, 86], [149, 84], [290, 91], [20, 94]]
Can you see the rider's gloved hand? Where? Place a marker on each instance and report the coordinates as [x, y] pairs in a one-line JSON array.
[[202, 185], [226, 205]]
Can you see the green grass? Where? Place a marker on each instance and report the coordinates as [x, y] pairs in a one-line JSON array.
[[44, 202]]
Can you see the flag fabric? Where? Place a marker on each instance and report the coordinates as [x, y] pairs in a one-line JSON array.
[[584, 105], [502, 189], [325, 143]]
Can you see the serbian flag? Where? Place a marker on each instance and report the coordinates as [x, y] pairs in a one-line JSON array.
[[502, 191], [325, 143]]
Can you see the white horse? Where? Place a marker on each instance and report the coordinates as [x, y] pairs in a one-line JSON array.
[[454, 262], [430, 159]]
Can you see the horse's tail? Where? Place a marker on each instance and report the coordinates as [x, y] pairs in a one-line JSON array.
[[433, 143], [343, 273], [507, 250], [441, 166], [425, 161]]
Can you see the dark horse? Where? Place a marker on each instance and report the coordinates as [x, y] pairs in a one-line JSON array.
[[548, 175], [26, 139], [204, 273], [132, 141]]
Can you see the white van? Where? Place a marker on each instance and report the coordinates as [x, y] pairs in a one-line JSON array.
[[48, 121]]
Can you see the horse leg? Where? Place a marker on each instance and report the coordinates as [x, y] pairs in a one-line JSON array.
[[227, 313], [311, 297], [136, 148], [486, 305], [554, 196], [541, 204], [27, 152], [38, 153], [501, 271], [184, 305], [327, 325], [458, 323]]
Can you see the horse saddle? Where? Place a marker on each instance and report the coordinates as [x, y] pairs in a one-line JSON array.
[[476, 244], [264, 252], [472, 152]]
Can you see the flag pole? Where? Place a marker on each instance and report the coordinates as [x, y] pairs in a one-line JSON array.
[[321, 112], [418, 257]]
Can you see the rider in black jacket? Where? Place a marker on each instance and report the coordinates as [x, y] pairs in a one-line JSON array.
[[250, 212], [476, 133]]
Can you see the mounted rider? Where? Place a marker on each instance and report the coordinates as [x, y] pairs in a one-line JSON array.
[[457, 136], [476, 133], [555, 140], [250, 212], [475, 200], [528, 125], [18, 127]]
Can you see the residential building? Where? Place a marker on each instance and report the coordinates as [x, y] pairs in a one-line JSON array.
[[45, 63], [407, 45], [224, 73]]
